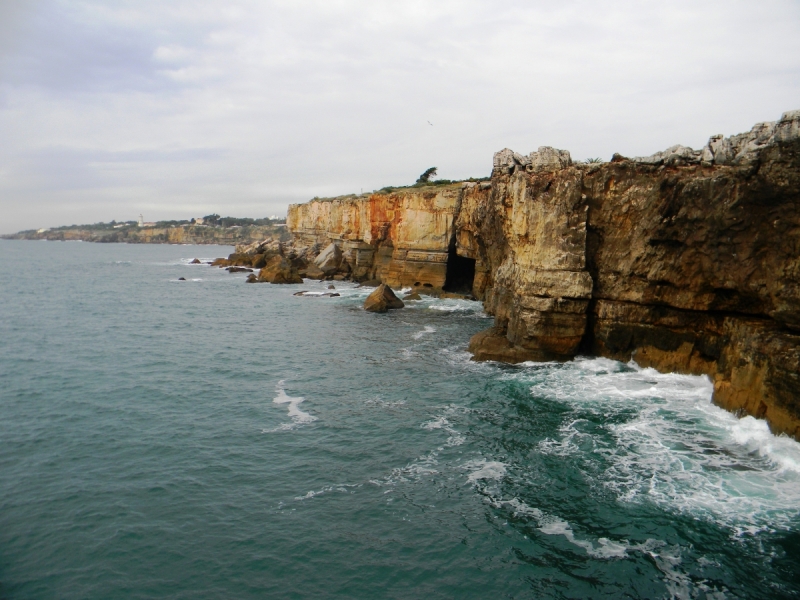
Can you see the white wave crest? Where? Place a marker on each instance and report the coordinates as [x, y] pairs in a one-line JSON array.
[[297, 415], [493, 470], [428, 329], [662, 440], [455, 439]]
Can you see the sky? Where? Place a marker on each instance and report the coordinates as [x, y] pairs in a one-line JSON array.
[[179, 109]]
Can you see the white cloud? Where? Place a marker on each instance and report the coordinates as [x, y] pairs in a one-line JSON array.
[[108, 109]]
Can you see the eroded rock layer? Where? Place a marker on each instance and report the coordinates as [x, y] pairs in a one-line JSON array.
[[685, 261], [401, 238]]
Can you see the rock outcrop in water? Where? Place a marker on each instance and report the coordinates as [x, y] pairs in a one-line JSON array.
[[685, 261], [382, 300]]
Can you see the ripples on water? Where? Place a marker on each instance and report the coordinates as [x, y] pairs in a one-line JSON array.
[[206, 438]]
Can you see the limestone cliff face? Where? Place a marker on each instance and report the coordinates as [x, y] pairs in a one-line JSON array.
[[400, 238], [685, 261]]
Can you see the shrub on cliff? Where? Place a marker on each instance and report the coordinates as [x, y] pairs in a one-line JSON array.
[[426, 176]]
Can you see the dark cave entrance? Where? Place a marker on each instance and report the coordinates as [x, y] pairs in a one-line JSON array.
[[460, 272]]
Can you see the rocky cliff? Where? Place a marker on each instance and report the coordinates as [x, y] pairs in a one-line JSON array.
[[401, 238], [687, 260]]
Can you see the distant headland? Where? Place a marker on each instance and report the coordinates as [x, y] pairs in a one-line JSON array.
[[211, 229]]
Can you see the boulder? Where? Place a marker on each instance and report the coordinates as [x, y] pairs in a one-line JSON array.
[[181, 278], [382, 299], [329, 259], [196, 261], [240, 260], [279, 270], [412, 296], [545, 159], [672, 156], [268, 246], [238, 270], [252, 278], [220, 262], [312, 271], [331, 287]]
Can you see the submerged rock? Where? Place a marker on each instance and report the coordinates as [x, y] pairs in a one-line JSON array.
[[382, 299], [456, 296], [316, 294]]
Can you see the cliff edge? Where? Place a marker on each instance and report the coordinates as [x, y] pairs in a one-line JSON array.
[[686, 260]]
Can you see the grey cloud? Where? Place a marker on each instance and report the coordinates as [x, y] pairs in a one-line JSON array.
[[224, 107]]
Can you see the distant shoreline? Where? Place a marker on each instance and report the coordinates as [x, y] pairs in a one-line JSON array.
[[184, 234]]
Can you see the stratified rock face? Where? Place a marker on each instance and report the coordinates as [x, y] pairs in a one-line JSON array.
[[687, 260], [400, 238]]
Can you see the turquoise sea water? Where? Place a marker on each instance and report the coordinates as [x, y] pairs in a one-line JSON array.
[[212, 439]]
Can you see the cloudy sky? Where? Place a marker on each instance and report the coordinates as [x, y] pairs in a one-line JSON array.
[[176, 109]]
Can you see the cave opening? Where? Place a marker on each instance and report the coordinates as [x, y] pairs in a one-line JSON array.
[[460, 272]]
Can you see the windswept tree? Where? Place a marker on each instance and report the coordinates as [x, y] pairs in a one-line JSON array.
[[426, 176]]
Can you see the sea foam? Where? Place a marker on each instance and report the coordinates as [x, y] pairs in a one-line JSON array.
[[297, 415], [661, 440]]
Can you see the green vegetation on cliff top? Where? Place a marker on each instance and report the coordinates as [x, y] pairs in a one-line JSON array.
[[389, 189]]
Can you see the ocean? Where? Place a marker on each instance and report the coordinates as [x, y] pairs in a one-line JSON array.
[[208, 438]]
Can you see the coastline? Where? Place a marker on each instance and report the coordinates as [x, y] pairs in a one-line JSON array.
[[192, 234], [685, 261]]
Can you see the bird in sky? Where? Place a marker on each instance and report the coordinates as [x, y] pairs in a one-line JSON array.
[[429, 123]]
